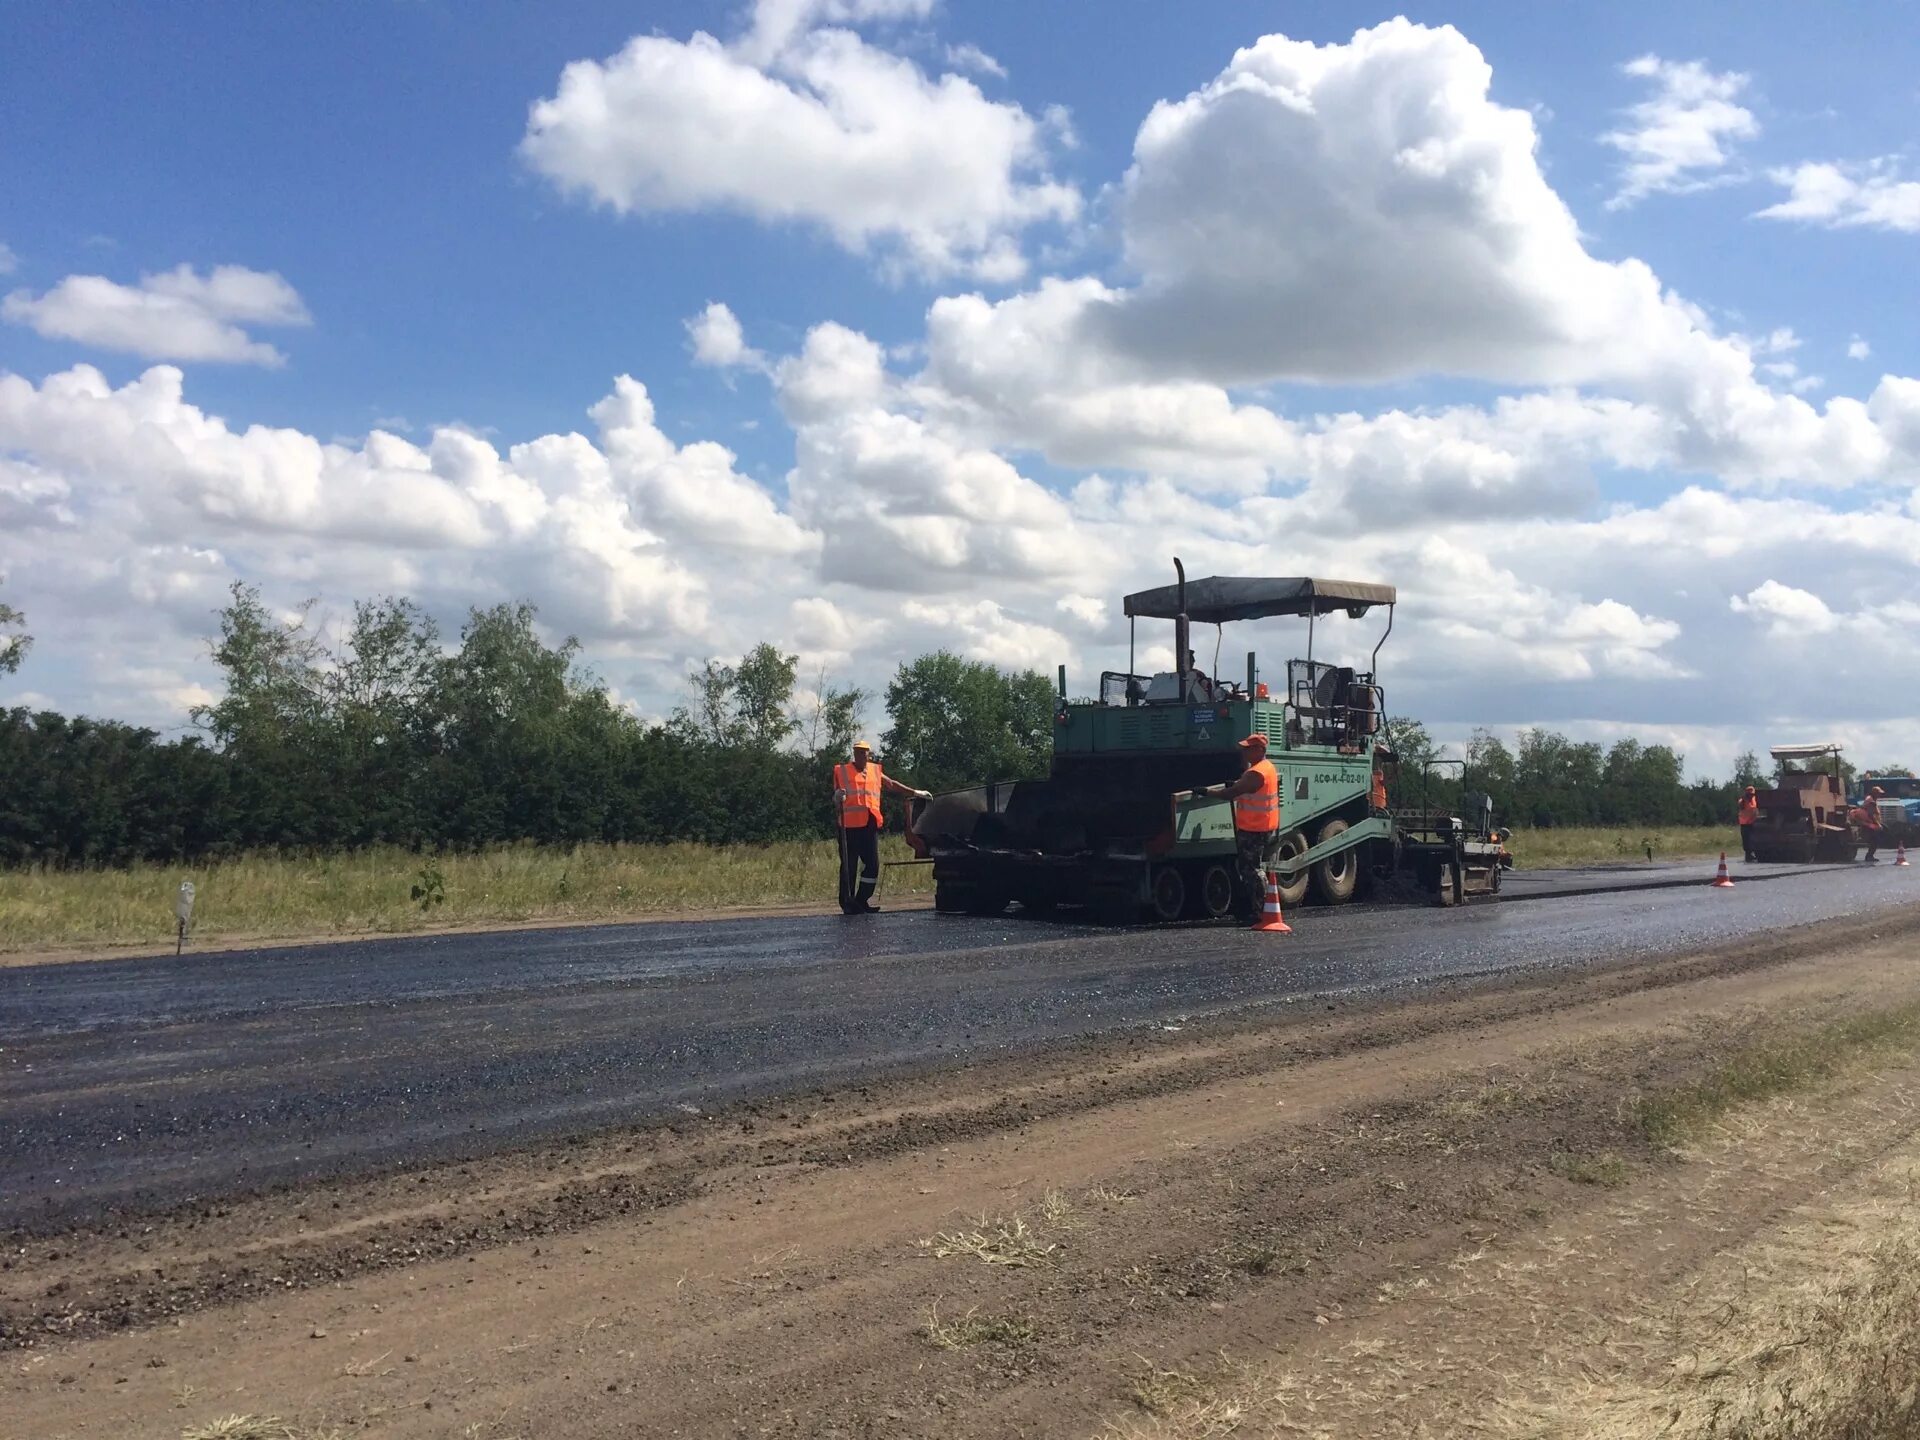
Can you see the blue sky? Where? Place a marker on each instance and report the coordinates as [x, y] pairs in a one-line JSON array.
[[369, 154]]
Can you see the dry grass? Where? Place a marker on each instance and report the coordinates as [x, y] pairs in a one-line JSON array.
[[1186, 1403], [1582, 845], [1608, 1171], [974, 1328], [1776, 1064], [1163, 1392], [992, 1241], [1815, 1333], [1261, 1258], [370, 891], [253, 1427], [1798, 1323]]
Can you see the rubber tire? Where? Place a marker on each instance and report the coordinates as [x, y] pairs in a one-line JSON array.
[[1336, 878], [1041, 905], [1212, 898], [987, 903], [1292, 892], [1169, 892], [952, 898]]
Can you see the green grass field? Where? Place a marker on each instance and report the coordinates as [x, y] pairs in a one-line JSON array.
[[1547, 849], [370, 892]]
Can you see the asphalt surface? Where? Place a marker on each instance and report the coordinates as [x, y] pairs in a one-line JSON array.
[[141, 1083], [1634, 875]]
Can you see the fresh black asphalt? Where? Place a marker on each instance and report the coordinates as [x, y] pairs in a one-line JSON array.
[[138, 1083]]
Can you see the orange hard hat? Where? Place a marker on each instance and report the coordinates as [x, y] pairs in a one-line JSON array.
[[1749, 789], [1257, 744], [1878, 791]]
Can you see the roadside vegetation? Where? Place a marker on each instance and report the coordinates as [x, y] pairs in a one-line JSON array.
[[369, 775], [373, 891], [387, 889]]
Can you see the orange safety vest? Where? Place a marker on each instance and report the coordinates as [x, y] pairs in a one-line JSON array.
[[1749, 809], [1260, 811], [1379, 791], [860, 794]]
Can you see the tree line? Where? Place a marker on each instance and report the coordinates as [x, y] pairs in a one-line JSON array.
[[390, 735], [1546, 780]]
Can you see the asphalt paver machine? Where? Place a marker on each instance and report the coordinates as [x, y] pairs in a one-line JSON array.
[[1103, 830]]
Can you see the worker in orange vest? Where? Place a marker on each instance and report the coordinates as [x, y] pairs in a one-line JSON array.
[[857, 788], [1870, 823], [1749, 812], [1256, 819]]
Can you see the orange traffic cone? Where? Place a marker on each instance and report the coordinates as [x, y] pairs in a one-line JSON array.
[[1722, 880], [1900, 855], [1271, 920]]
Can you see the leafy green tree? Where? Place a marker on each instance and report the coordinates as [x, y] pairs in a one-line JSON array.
[[379, 688], [749, 705], [270, 666], [709, 716], [763, 697], [834, 723], [1747, 770], [270, 725], [959, 722], [1490, 770], [14, 641]]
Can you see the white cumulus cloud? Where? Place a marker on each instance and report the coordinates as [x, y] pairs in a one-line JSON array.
[[1872, 196], [718, 340], [179, 314], [1786, 610], [803, 120], [1679, 138], [972, 57]]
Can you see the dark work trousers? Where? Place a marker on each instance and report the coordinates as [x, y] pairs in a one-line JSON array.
[[859, 867], [1259, 851], [1746, 841]]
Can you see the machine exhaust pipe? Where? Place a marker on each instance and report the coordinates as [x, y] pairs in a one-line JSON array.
[[1180, 627]]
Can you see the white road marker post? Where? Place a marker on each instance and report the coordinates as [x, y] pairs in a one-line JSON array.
[[182, 912]]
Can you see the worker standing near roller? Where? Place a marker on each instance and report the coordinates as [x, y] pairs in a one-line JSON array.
[[1870, 823], [1749, 812], [1256, 818], [857, 788]]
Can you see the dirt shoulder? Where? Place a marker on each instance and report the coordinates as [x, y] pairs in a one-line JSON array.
[[1289, 1222]]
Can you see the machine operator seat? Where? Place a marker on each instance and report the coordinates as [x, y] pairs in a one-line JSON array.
[[1164, 689]]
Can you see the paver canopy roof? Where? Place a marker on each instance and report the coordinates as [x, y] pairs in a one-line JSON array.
[[1220, 598]]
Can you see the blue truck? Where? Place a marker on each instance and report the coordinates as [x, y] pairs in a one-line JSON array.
[[1899, 806]]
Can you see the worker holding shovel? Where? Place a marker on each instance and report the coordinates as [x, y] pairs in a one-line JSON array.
[[857, 788]]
